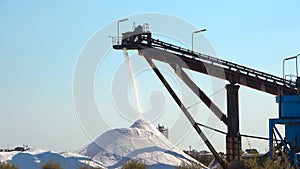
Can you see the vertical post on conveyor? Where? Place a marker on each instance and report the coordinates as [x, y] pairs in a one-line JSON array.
[[271, 124], [233, 138]]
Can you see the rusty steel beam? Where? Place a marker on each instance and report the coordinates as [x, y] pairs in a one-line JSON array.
[[187, 114], [216, 71], [199, 93]]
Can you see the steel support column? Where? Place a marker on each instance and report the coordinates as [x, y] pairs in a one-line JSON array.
[[233, 138]]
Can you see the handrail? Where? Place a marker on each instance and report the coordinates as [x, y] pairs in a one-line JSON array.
[[275, 85], [225, 64]]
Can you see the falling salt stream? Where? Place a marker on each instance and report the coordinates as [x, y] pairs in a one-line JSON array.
[[135, 89]]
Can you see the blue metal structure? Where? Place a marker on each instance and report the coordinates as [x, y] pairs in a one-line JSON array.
[[289, 116]]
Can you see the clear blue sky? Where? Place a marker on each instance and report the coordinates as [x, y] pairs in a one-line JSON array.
[[41, 41]]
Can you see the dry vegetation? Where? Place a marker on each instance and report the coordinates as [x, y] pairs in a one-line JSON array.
[[51, 165], [189, 166], [7, 166], [136, 164]]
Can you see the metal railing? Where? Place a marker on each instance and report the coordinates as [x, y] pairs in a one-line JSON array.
[[222, 63]]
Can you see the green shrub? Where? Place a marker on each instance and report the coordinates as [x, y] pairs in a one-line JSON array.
[[189, 166], [134, 164], [51, 165], [88, 167], [268, 164], [7, 166], [251, 151]]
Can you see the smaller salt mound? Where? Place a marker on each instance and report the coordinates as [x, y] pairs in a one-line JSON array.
[[140, 141], [35, 158]]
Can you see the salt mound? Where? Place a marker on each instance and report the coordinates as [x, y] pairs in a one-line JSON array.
[[141, 141], [35, 158]]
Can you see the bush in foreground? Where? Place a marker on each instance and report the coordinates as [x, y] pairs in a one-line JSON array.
[[189, 166], [88, 167], [7, 166], [136, 164], [51, 165], [256, 163], [268, 164]]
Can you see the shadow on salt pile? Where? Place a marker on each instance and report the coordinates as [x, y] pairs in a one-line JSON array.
[[149, 150], [30, 161]]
